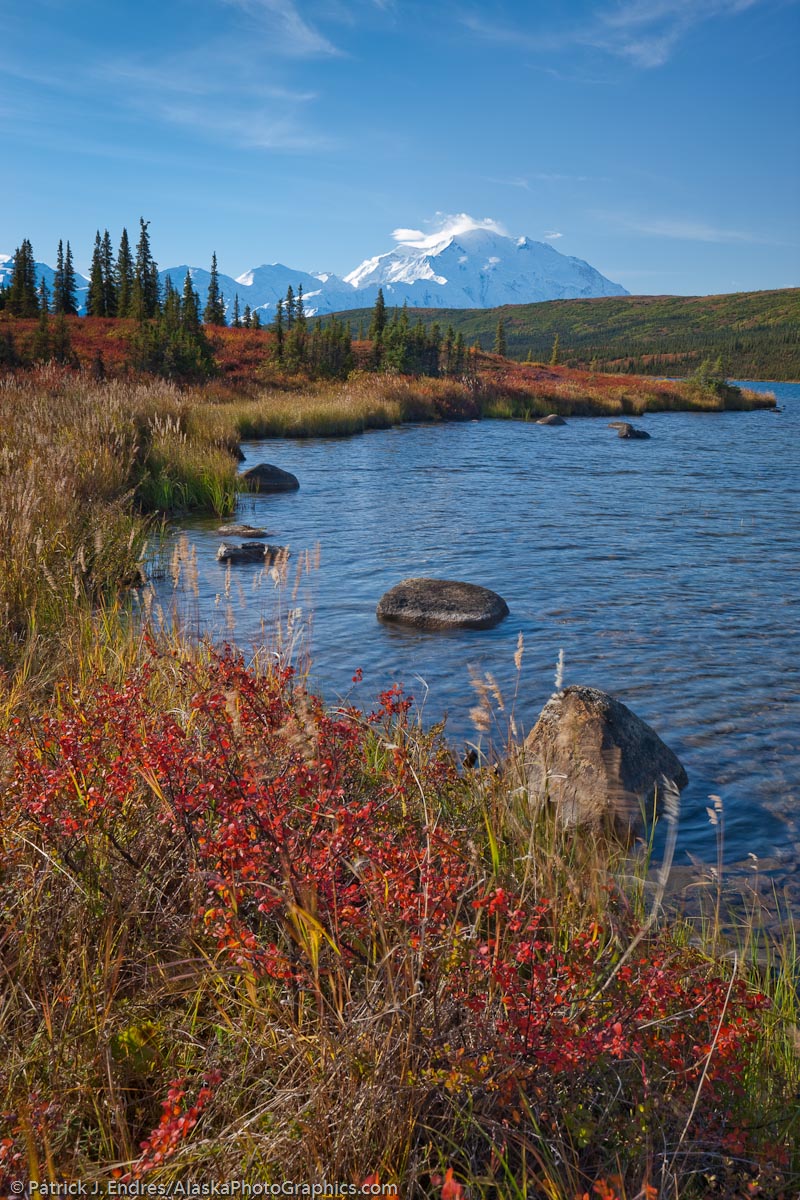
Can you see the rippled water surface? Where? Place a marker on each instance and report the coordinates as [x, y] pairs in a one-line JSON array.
[[667, 571]]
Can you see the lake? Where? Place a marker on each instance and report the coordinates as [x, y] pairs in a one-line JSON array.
[[666, 570]]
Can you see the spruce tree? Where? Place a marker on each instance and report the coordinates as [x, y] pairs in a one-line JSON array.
[[109, 276], [96, 299], [190, 306], [41, 348], [500, 339], [174, 344], [378, 322], [554, 352], [255, 319], [8, 351], [459, 352], [44, 297], [145, 299], [289, 307], [155, 288], [278, 327], [247, 318], [58, 280], [22, 299], [449, 340], [214, 311], [237, 320], [124, 277], [60, 341], [70, 308]]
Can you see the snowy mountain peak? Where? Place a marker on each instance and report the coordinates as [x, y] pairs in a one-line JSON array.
[[475, 264]]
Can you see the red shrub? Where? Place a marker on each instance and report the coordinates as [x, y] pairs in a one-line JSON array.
[[316, 851]]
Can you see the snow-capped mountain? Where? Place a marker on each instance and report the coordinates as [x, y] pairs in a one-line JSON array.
[[262, 288], [474, 267], [479, 268], [467, 264]]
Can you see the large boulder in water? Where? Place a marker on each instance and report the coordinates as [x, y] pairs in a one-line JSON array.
[[551, 419], [626, 430], [442, 604], [249, 552], [267, 478], [597, 761]]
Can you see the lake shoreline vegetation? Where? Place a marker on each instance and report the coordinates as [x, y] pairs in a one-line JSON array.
[[251, 934]]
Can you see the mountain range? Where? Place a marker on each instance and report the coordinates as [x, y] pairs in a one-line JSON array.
[[473, 267]]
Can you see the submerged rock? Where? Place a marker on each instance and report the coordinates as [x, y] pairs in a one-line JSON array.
[[626, 430], [551, 419], [243, 531], [267, 478], [249, 552], [597, 761], [442, 604]]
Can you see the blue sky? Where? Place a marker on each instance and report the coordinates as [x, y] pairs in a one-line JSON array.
[[655, 138]]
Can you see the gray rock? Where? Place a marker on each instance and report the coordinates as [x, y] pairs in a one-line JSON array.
[[551, 419], [597, 761], [442, 604], [249, 552], [626, 430], [267, 478], [243, 531]]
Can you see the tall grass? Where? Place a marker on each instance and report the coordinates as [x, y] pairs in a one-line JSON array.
[[83, 469]]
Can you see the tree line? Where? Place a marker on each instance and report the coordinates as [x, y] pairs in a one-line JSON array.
[[171, 336], [121, 285]]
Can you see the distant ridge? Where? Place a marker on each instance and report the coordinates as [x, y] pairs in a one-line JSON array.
[[756, 334]]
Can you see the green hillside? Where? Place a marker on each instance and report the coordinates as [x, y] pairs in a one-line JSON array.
[[757, 334]]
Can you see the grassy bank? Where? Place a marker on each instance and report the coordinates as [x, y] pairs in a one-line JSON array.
[[494, 388], [247, 935]]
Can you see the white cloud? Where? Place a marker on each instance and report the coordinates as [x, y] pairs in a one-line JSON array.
[[515, 183], [552, 236], [235, 86], [645, 32], [446, 226], [285, 29], [408, 236], [689, 231], [259, 130]]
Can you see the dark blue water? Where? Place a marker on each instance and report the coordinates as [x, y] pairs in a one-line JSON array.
[[666, 570]]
